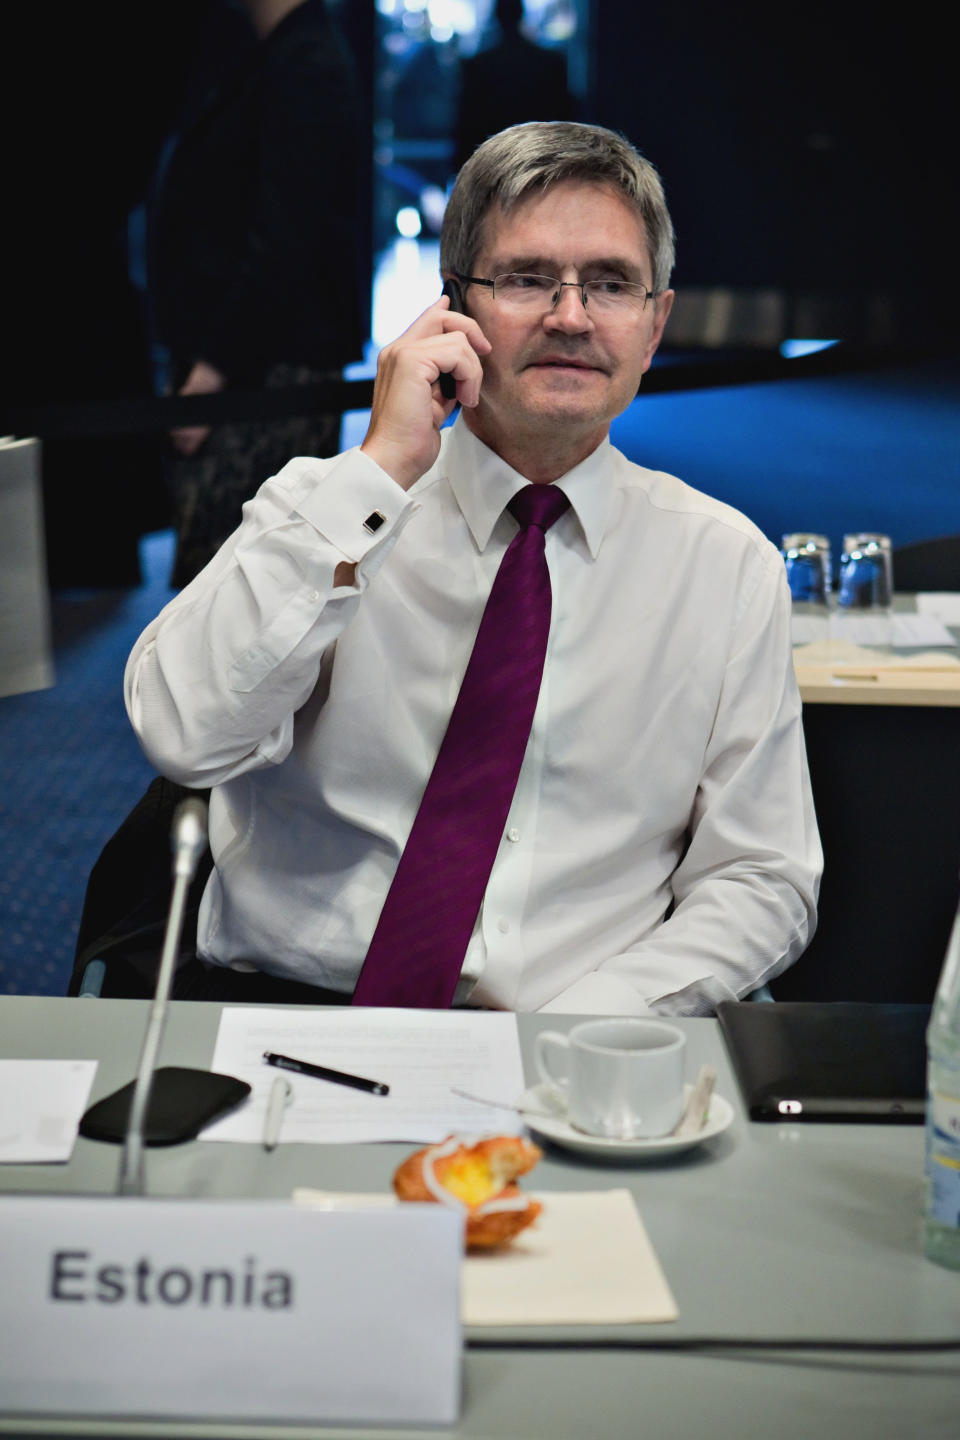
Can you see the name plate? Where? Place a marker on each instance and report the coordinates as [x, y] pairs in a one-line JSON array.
[[229, 1310]]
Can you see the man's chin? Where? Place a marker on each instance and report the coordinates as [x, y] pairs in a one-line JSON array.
[[554, 408], [569, 396], [564, 377]]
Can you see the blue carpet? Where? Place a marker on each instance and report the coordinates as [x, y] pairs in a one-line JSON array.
[[70, 770], [874, 451]]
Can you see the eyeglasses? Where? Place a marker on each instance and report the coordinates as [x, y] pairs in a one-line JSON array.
[[539, 293]]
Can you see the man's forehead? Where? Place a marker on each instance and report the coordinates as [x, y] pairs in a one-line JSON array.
[[593, 220]]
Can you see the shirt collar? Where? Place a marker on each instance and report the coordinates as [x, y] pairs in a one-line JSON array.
[[483, 484]]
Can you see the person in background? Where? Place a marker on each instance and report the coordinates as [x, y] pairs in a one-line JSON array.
[[511, 81], [657, 850], [252, 248]]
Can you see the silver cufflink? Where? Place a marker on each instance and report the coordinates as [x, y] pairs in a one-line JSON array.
[[374, 521]]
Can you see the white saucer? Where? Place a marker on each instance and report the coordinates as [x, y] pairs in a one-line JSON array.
[[558, 1129]]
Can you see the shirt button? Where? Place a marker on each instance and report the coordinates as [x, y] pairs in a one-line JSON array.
[[513, 834], [314, 597], [503, 926]]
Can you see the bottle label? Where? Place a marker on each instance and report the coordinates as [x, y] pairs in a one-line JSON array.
[[945, 1114], [943, 1158]]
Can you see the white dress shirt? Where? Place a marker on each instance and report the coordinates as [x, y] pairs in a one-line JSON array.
[[661, 852]]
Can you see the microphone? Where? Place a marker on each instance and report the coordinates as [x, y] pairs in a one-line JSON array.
[[188, 838], [183, 1100]]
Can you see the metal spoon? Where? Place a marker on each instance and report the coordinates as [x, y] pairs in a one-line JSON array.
[[506, 1104]]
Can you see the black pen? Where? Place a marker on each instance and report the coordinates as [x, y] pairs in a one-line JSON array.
[[321, 1072]]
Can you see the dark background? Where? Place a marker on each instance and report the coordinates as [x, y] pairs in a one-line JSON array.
[[808, 147], [807, 150]]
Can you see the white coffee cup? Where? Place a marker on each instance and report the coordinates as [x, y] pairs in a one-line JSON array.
[[621, 1078]]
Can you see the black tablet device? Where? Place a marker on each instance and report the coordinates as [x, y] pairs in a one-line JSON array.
[[830, 1060]]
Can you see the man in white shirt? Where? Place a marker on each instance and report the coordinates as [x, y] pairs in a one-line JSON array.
[[661, 852]]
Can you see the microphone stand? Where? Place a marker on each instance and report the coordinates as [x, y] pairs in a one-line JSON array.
[[189, 834]]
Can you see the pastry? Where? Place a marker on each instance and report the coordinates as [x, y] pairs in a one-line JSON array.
[[479, 1179]]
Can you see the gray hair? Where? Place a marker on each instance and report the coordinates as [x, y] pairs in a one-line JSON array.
[[530, 159]]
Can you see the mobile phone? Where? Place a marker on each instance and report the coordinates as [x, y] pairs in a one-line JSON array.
[[454, 292], [182, 1102]]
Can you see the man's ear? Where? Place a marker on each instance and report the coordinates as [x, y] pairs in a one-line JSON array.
[[454, 293], [664, 304]]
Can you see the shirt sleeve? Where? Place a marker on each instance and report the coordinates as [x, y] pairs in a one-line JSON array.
[[213, 684], [745, 890]]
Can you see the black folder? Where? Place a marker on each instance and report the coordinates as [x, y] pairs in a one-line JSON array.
[[832, 1060]]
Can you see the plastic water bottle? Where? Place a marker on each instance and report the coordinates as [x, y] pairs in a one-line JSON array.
[[941, 1227]]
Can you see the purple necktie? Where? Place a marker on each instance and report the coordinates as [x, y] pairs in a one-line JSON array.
[[417, 950]]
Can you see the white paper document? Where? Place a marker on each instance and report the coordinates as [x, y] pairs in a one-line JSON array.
[[419, 1054], [920, 630], [943, 604], [587, 1260], [41, 1102], [899, 632]]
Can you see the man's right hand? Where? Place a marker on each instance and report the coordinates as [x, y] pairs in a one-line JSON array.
[[408, 408]]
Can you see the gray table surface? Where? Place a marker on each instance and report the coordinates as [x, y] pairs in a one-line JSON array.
[[768, 1230]]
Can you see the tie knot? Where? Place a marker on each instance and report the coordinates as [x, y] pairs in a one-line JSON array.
[[538, 505]]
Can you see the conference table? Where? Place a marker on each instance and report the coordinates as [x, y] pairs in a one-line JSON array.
[[788, 1232]]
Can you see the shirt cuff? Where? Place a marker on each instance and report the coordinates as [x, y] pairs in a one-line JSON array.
[[597, 994], [356, 505]]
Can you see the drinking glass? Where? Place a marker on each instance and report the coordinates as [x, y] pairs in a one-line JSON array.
[[865, 597], [866, 572], [809, 568]]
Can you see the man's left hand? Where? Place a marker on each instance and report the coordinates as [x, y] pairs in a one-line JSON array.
[[202, 380]]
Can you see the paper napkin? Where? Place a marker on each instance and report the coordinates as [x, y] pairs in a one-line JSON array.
[[587, 1261]]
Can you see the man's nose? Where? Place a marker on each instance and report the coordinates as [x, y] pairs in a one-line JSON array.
[[569, 315]]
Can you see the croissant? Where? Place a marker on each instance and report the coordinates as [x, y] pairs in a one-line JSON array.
[[479, 1179]]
